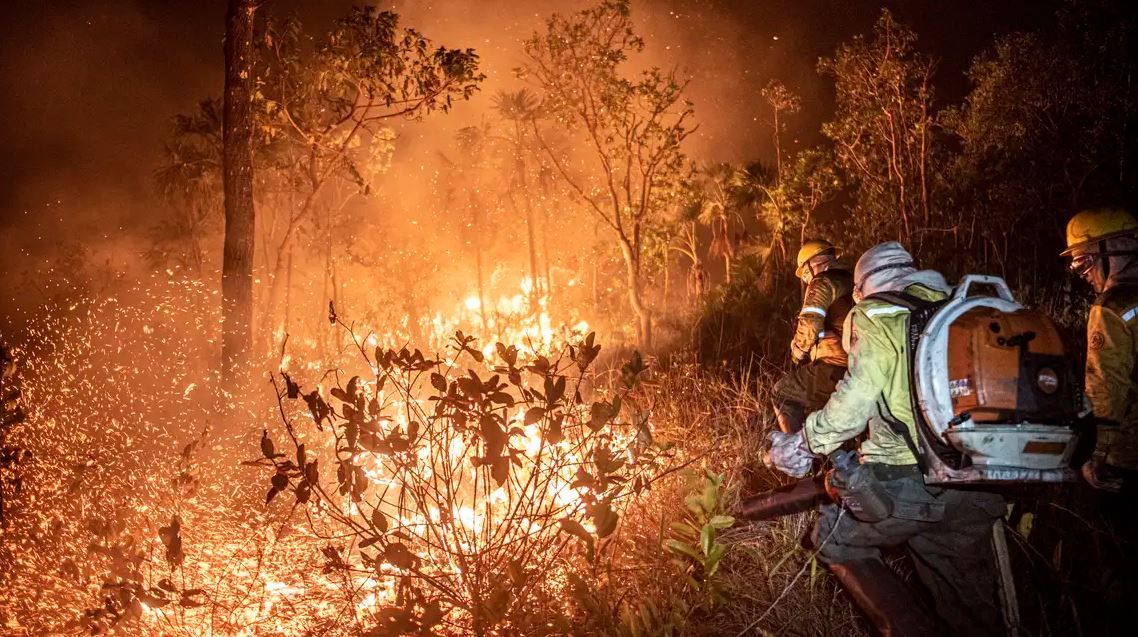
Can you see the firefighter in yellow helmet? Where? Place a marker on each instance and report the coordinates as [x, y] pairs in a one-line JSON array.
[[816, 349], [1103, 247]]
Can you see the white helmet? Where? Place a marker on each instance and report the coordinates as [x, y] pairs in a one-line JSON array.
[[884, 261]]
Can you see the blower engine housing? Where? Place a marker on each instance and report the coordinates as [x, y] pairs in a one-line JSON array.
[[996, 394]]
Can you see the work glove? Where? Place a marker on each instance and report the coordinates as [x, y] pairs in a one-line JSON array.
[[789, 454], [797, 354]]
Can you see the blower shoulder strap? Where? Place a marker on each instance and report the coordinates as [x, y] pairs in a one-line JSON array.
[[920, 311], [902, 299]]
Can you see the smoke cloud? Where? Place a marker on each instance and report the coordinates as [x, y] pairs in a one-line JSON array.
[[90, 89]]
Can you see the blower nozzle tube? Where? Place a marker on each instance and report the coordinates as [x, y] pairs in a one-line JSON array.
[[796, 497]]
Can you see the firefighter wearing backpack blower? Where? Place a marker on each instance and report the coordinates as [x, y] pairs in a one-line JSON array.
[[816, 349], [946, 530], [1103, 247]]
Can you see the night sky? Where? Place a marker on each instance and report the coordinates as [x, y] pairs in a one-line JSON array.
[[90, 87]]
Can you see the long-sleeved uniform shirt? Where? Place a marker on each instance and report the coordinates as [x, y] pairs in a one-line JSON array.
[[1110, 381], [876, 388], [818, 331]]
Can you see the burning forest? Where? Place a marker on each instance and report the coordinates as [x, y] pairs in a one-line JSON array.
[[475, 319]]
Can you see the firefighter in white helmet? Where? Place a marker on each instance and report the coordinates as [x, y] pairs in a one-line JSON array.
[[946, 530], [1103, 247], [816, 349]]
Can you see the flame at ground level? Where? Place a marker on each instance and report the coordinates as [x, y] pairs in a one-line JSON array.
[[119, 392]]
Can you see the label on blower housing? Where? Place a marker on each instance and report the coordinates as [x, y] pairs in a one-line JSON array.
[[960, 387]]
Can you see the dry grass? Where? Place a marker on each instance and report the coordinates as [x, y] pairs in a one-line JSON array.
[[238, 549], [770, 583]]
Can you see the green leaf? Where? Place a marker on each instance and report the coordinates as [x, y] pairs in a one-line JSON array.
[[500, 469], [1026, 522], [707, 538], [631, 370], [366, 542], [683, 548], [714, 557], [722, 522], [710, 498], [600, 414], [574, 528]]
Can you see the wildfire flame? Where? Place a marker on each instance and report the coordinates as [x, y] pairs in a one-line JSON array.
[[120, 392]]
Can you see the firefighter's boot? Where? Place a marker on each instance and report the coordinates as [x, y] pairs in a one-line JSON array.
[[887, 601]]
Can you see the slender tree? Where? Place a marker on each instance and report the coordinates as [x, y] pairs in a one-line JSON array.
[[782, 102], [632, 130], [719, 213], [883, 131], [330, 108], [519, 109]]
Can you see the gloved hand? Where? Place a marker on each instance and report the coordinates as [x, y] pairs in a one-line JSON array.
[[797, 354], [789, 454]]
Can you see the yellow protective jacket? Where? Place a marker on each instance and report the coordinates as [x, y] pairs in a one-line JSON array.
[[818, 330], [876, 388], [1110, 382]]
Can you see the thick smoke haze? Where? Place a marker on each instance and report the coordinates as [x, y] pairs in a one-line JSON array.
[[90, 88]]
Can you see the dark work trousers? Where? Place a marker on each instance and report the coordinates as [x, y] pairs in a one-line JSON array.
[[802, 390], [947, 531]]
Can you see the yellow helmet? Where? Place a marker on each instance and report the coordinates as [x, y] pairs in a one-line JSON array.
[[809, 250], [1091, 226]]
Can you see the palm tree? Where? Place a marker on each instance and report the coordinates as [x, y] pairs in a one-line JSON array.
[[467, 178], [686, 242], [755, 186], [521, 108], [718, 210]]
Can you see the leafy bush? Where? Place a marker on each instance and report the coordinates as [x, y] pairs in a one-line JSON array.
[[458, 495]]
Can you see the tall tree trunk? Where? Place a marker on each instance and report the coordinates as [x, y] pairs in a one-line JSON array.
[[328, 290], [768, 277], [481, 287], [521, 183], [636, 295], [240, 215], [271, 322], [545, 253], [288, 295], [535, 276], [777, 151]]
